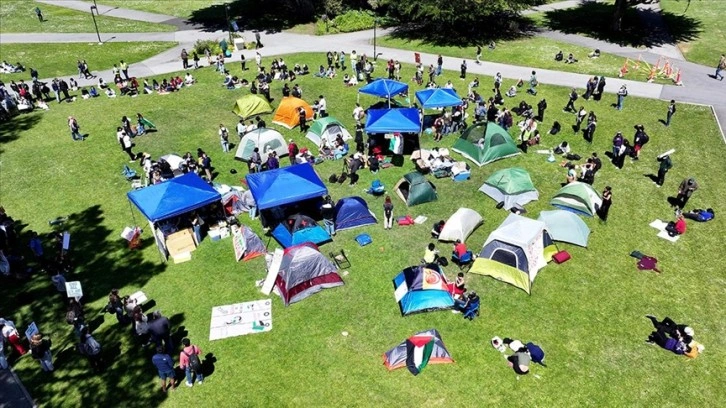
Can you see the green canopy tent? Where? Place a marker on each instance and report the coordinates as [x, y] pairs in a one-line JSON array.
[[579, 198], [485, 142], [565, 226], [414, 189], [327, 128], [511, 186], [251, 105]]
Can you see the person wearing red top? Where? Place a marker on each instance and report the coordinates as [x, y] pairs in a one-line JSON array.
[[187, 365], [678, 227], [460, 248]]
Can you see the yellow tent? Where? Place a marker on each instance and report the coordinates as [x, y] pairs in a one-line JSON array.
[[287, 113]]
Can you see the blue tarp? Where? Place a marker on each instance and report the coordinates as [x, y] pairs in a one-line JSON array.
[[403, 120], [385, 88], [351, 212], [174, 197], [285, 185], [438, 98], [315, 234]]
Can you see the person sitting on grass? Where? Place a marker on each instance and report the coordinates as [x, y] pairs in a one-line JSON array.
[[431, 254], [676, 228], [570, 59], [460, 249], [595, 53], [436, 230], [459, 287], [700, 215], [461, 306], [512, 92], [559, 56]]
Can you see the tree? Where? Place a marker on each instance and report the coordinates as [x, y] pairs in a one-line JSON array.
[[457, 21], [621, 6]]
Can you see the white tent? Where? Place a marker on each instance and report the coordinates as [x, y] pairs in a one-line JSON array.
[[266, 140], [460, 225], [327, 128]]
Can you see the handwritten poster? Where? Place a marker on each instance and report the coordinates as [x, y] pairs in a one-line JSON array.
[[241, 319]]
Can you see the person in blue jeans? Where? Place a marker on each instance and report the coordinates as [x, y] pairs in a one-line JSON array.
[[327, 211], [622, 93], [186, 363], [165, 366]]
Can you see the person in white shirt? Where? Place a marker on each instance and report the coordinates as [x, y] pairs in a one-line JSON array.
[[188, 79], [358, 113], [241, 128], [252, 126], [224, 138], [322, 107]]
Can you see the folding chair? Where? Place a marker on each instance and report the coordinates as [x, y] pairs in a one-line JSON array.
[[464, 262], [472, 310], [341, 260], [128, 173]]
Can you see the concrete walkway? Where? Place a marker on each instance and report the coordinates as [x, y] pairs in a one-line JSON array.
[[118, 12], [12, 392]]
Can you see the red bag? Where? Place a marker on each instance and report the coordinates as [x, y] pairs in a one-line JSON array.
[[561, 257], [407, 220]]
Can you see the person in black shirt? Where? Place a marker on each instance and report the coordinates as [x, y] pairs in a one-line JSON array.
[[260, 123]]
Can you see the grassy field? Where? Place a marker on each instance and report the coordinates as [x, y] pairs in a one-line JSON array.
[[18, 16], [99, 57], [178, 8], [709, 45], [587, 314], [529, 52]]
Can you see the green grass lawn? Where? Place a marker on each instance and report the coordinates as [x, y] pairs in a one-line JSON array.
[[529, 52], [99, 57], [178, 8], [19, 17], [587, 314], [708, 46]]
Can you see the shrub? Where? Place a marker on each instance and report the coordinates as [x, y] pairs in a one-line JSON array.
[[213, 46], [354, 20]]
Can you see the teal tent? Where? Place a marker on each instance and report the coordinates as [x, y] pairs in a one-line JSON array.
[[565, 226]]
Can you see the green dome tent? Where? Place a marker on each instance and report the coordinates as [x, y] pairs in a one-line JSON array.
[[414, 189], [251, 105], [511, 186], [327, 128], [485, 142], [579, 198]]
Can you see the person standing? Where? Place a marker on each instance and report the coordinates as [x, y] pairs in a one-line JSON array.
[[292, 151], [185, 58], [322, 107], [387, 213], [195, 58], [665, 165], [607, 200], [302, 115], [74, 128], [600, 88], [571, 103], [190, 362], [224, 138], [327, 211], [160, 328], [165, 366], [463, 70], [439, 65], [40, 350], [10, 335], [258, 42], [63, 87], [124, 69], [478, 54], [3, 359], [533, 84], [579, 118], [39, 14], [622, 93], [591, 126], [685, 190], [89, 347], [56, 89], [359, 145], [127, 145], [720, 67], [206, 165], [671, 112], [341, 59], [541, 107]]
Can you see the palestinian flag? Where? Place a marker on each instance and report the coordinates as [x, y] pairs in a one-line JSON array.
[[418, 352]]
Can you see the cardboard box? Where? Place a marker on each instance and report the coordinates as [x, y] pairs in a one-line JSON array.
[[183, 257], [180, 242]]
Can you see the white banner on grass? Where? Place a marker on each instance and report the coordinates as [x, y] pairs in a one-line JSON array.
[[240, 319]]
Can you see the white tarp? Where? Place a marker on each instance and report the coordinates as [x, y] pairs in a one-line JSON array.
[[240, 319]]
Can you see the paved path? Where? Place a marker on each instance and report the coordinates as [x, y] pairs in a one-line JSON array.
[[118, 12], [699, 87], [12, 392]]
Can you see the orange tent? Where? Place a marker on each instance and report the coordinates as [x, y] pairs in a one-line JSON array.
[[287, 113]]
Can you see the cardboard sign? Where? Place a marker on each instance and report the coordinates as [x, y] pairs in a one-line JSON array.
[[240, 319], [239, 243], [74, 290], [66, 241], [31, 330]]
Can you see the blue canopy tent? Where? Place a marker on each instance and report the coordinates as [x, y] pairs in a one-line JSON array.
[[351, 212], [299, 229], [438, 98], [285, 185], [172, 198], [422, 288], [403, 120], [384, 88]]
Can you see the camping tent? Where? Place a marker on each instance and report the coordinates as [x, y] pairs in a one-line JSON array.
[[484, 143], [438, 98], [302, 271], [251, 105], [402, 120], [327, 128], [514, 252], [267, 140], [579, 198], [174, 197], [251, 244], [565, 226], [175, 161], [418, 351], [422, 288], [414, 189], [460, 225], [287, 114], [384, 88], [298, 229], [285, 185], [351, 212], [512, 186]]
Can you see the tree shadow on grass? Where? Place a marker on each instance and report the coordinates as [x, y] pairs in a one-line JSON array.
[[12, 129], [259, 15], [100, 262], [595, 20], [500, 27]]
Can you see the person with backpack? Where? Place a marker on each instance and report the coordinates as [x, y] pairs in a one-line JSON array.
[[665, 165], [190, 362], [40, 350], [571, 102], [292, 151], [639, 140], [622, 93], [89, 347], [165, 366], [541, 107]]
